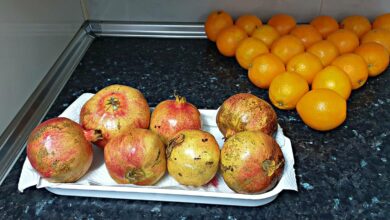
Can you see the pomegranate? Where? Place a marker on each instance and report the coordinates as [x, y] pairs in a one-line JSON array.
[[136, 158], [58, 150], [246, 112], [172, 116], [113, 111], [192, 157], [251, 162]]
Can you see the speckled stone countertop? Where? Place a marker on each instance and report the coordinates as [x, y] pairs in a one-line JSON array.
[[341, 174]]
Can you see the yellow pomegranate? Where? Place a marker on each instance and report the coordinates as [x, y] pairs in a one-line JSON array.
[[192, 157]]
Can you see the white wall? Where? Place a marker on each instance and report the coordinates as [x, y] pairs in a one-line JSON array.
[[32, 36], [368, 8], [194, 11]]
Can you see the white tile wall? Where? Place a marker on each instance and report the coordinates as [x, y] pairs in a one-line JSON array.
[[195, 11], [342, 8], [32, 36]]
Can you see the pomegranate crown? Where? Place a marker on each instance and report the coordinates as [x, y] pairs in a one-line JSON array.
[[180, 99]]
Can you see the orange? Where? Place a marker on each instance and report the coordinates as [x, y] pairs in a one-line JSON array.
[[248, 23], [248, 49], [305, 64], [286, 89], [264, 69], [322, 109], [266, 33], [345, 40], [379, 36], [335, 79], [228, 40], [382, 22], [283, 23], [357, 24], [355, 67], [325, 50], [215, 22], [325, 25], [286, 47], [307, 33], [376, 57]]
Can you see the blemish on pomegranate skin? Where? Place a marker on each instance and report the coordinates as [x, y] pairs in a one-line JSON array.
[[158, 156], [46, 174], [213, 181], [210, 163]]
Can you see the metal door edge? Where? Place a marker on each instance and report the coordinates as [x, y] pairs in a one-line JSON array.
[[148, 29], [13, 139]]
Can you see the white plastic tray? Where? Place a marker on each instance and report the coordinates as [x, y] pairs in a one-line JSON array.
[[98, 183]]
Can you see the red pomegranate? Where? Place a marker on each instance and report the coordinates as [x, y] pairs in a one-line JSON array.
[[251, 162], [172, 116], [246, 112], [113, 111], [58, 150], [136, 158]]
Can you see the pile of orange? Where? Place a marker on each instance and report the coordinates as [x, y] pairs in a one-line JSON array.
[[308, 67]]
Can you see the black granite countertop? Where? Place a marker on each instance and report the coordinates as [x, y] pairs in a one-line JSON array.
[[341, 174]]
